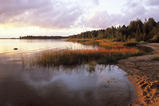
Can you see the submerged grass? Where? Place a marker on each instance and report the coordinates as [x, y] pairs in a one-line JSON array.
[[71, 57]]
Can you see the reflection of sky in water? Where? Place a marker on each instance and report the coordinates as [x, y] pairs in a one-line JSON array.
[[76, 84], [77, 78], [33, 46]]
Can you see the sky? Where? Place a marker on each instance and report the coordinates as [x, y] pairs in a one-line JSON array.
[[68, 17]]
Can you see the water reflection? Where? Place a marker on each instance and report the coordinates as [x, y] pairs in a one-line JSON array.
[[60, 86]]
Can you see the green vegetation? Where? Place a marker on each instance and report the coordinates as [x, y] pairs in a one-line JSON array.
[[136, 31]]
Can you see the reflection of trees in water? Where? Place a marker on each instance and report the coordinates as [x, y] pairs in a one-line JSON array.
[[111, 67], [89, 68]]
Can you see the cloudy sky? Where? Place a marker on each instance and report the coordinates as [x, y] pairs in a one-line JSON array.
[[67, 17]]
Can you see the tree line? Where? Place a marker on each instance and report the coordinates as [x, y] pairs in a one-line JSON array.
[[41, 37], [135, 31]]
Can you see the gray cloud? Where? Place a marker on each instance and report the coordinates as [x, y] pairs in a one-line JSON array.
[[131, 3], [153, 2], [141, 9], [102, 20], [96, 2], [133, 10], [43, 13], [59, 17], [138, 12]]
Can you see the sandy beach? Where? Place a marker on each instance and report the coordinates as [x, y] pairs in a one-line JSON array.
[[143, 72]]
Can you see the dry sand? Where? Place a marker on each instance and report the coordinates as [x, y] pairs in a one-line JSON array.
[[143, 72]]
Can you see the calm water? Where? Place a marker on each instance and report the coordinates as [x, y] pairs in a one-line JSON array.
[[58, 86], [33, 46]]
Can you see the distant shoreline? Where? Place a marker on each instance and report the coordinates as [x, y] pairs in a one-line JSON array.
[[38, 37], [42, 37], [9, 38]]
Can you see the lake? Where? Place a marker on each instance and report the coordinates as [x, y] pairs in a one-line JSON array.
[[106, 85]]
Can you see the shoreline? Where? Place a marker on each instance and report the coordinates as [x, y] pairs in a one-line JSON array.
[[143, 72]]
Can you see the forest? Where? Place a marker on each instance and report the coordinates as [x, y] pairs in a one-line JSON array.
[[136, 31]]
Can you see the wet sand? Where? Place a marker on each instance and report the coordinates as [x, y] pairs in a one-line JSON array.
[[143, 72]]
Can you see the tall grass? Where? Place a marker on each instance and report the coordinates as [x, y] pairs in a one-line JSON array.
[[71, 57]]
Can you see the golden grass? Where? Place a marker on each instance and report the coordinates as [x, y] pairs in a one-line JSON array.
[[102, 43], [71, 57]]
